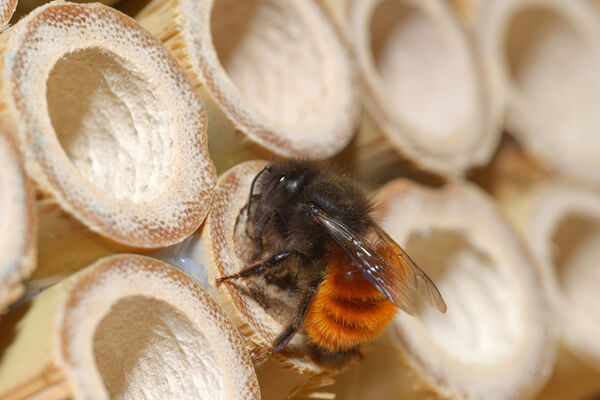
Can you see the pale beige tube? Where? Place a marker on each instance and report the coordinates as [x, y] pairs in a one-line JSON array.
[[7, 8], [276, 76], [225, 249], [559, 222], [26, 6], [495, 341], [542, 57], [109, 128], [31, 4], [17, 224], [125, 327], [423, 87]]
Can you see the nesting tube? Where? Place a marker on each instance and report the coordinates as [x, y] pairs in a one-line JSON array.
[[495, 341], [31, 4], [17, 224], [542, 58], [225, 249], [559, 221], [127, 326], [276, 77], [110, 130], [25, 6], [423, 87], [7, 9]]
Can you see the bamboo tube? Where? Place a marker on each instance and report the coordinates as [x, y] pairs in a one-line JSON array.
[[17, 224], [31, 4], [26, 6], [495, 341], [466, 10], [7, 9], [572, 379], [129, 327], [561, 225], [109, 128], [299, 369], [542, 57], [559, 221], [64, 246], [423, 88], [276, 77]]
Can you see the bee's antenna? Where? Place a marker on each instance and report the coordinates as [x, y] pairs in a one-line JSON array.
[[266, 168]]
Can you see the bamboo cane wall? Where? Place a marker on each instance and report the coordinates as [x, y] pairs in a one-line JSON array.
[[131, 132]]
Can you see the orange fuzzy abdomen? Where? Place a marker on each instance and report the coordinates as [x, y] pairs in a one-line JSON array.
[[346, 310]]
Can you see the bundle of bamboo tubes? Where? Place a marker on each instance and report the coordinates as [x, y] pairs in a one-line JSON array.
[[470, 123], [18, 225]]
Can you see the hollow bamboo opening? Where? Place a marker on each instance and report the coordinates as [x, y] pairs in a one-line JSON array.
[[422, 83], [126, 326], [449, 98], [543, 56], [105, 146], [576, 239], [543, 47], [126, 352], [110, 130], [560, 222], [562, 225], [110, 127], [481, 334], [285, 81], [276, 77]]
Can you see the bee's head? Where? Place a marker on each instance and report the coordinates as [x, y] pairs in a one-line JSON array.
[[285, 179]]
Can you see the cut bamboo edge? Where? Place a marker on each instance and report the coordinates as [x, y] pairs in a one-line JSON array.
[[542, 58], [423, 88], [17, 224], [299, 370], [110, 130], [560, 221], [495, 341], [26, 6], [118, 328], [7, 9], [276, 78]]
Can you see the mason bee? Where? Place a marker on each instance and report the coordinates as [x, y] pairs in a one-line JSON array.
[[351, 274]]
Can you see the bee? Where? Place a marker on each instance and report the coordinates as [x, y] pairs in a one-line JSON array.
[[320, 224]]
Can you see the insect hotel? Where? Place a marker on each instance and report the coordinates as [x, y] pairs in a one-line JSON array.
[[299, 199]]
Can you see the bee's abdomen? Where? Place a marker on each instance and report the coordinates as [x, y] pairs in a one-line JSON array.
[[347, 310]]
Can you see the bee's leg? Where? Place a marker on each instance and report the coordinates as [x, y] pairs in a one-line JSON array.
[[284, 338], [242, 210], [237, 220], [262, 267], [259, 232], [251, 195], [359, 353]]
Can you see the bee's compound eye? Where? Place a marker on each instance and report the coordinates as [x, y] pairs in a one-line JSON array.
[[291, 183]]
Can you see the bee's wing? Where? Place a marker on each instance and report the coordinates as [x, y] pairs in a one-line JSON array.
[[385, 265], [405, 274]]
